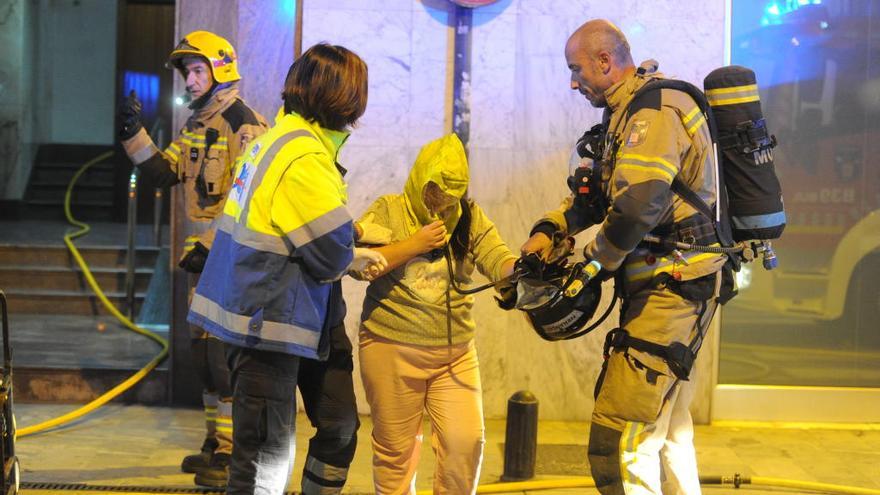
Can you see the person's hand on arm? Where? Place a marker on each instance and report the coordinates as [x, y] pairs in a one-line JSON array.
[[426, 239], [368, 263]]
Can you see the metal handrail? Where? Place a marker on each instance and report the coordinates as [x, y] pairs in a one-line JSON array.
[[131, 251], [157, 136]]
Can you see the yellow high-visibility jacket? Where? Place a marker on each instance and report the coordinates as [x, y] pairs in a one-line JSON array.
[[284, 240]]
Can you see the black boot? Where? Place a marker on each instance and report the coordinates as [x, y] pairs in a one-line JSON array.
[[197, 462], [217, 474]]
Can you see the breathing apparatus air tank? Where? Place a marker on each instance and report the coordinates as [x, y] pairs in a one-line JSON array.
[[754, 195]]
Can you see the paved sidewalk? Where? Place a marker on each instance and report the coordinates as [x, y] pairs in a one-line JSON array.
[[142, 446]]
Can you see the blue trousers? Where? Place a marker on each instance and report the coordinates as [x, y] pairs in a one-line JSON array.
[[264, 414]]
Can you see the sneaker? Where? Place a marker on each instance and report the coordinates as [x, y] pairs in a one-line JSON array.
[[216, 474], [197, 462]]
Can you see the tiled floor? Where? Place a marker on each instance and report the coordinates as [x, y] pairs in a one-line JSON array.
[[136, 445]]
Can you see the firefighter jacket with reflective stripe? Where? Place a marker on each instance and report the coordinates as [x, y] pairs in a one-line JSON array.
[[663, 135], [284, 240], [202, 157]]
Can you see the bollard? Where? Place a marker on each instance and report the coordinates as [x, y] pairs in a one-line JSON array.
[[521, 437]]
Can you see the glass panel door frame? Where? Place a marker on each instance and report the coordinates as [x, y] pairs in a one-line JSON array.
[[785, 404]]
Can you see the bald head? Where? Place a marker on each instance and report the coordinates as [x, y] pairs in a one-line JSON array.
[[598, 56], [601, 35]]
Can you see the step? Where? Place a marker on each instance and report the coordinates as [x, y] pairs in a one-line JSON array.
[[64, 172], [79, 153], [81, 385], [71, 358], [60, 302], [66, 278], [54, 210], [58, 255], [52, 190]]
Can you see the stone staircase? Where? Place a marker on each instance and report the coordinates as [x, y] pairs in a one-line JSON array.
[[66, 346], [46, 279], [95, 192]]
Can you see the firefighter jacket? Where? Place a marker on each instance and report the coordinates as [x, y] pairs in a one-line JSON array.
[[284, 240], [663, 135], [202, 157]]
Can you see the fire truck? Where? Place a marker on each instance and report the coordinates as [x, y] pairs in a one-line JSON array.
[[818, 67]]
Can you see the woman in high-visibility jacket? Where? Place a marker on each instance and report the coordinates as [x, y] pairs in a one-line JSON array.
[[271, 286]]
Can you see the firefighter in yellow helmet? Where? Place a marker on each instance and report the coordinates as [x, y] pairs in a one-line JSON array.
[[201, 160]]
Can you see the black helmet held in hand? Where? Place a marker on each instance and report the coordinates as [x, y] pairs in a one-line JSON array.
[[561, 306]]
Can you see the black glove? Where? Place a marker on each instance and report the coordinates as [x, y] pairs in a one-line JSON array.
[[130, 116], [506, 297], [194, 259], [529, 266]]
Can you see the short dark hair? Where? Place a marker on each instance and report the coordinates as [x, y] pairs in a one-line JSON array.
[[327, 84]]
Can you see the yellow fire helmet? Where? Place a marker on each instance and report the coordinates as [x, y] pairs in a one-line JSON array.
[[219, 52]]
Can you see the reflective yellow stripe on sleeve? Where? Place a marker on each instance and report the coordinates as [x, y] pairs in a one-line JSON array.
[[173, 152], [693, 120], [653, 165]]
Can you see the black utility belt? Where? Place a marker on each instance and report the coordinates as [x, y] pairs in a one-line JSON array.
[[695, 230]]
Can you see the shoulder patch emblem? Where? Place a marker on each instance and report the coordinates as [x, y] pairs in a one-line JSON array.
[[243, 182], [255, 150], [637, 133]]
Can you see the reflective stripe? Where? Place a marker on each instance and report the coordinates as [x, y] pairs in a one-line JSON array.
[[144, 154], [693, 128], [646, 169], [252, 239], [173, 152], [322, 479], [647, 160], [224, 417], [759, 221], [629, 445], [690, 115], [693, 120], [239, 324], [327, 222], [263, 167], [732, 95], [641, 270], [201, 137]]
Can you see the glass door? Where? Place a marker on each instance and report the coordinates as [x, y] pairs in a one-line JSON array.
[[802, 342]]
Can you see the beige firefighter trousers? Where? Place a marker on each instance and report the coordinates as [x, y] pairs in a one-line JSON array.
[[641, 437]]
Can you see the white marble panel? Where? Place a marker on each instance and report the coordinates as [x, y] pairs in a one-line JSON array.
[[429, 82], [374, 171], [360, 5], [493, 79], [265, 52], [686, 14], [383, 40], [694, 54]]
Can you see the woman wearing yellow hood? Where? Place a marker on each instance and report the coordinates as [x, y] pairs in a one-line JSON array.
[[417, 333]]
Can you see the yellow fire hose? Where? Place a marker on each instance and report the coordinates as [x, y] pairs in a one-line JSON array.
[[133, 379], [736, 481]]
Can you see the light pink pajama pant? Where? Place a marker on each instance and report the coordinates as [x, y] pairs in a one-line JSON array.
[[402, 381]]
